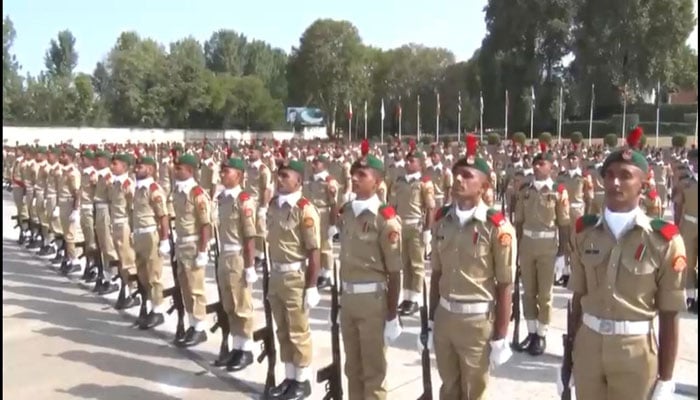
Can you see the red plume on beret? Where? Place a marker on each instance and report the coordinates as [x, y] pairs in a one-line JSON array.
[[634, 138], [543, 146], [364, 147], [472, 145], [411, 145], [283, 152], [229, 151], [137, 152], [574, 146]]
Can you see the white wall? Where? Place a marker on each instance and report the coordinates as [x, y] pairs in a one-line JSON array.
[[47, 136]]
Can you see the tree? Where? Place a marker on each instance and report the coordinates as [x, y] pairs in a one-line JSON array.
[[225, 52], [186, 86], [61, 58], [11, 80]]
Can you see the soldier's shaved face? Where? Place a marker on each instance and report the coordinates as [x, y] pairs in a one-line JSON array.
[[364, 182], [142, 171], [183, 172], [412, 165], [542, 169], [118, 167], [230, 177], [469, 184], [623, 185], [288, 181]]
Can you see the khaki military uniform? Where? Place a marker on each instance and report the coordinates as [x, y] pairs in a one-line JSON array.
[[472, 257], [623, 285], [29, 176], [383, 192], [149, 202], [120, 195], [442, 183], [539, 214], [18, 190], [339, 168], [597, 191], [258, 179], [236, 225], [68, 201], [370, 250], [51, 194], [396, 170], [8, 161], [295, 230], [651, 204], [323, 190], [661, 175], [688, 197], [40, 185], [414, 197], [192, 213], [165, 180], [103, 220], [88, 181]]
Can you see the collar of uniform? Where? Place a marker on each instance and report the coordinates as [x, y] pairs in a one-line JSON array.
[[339, 159], [575, 172], [479, 212], [598, 165], [256, 164], [413, 177], [437, 167], [103, 172], [144, 183], [42, 163], [539, 185], [265, 154], [518, 164], [637, 218], [186, 185], [89, 170], [119, 179], [372, 204], [208, 161], [309, 158], [660, 163], [399, 164], [528, 171], [232, 192], [165, 159], [321, 176], [20, 158], [291, 198]]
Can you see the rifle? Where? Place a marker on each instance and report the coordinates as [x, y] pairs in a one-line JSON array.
[[567, 362], [174, 292], [99, 261], [425, 354], [218, 309], [266, 334], [515, 315], [332, 373]]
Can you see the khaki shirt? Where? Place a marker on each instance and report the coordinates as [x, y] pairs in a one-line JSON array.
[[88, 183], [69, 183], [120, 196], [257, 180], [16, 174], [651, 203], [370, 244], [165, 175], [192, 211], [442, 180], [42, 177], [293, 229], [323, 193], [542, 210], [661, 172], [382, 192], [236, 218], [475, 257], [340, 170], [413, 198], [628, 279], [101, 187], [149, 205], [52, 182], [209, 176]]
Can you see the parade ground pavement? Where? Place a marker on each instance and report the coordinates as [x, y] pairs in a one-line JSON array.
[[61, 341]]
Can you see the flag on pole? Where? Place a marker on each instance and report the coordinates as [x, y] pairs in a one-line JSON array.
[[382, 109], [365, 109], [532, 96], [437, 96], [459, 102], [481, 103], [349, 109], [398, 109], [658, 94]]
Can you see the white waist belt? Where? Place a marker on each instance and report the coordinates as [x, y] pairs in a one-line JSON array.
[[464, 308], [38, 190], [611, 327], [102, 206], [287, 267], [359, 288], [411, 221], [148, 229], [64, 199], [119, 221], [86, 207], [690, 218], [439, 196], [600, 193], [577, 204], [539, 235], [48, 195], [231, 248], [187, 239]]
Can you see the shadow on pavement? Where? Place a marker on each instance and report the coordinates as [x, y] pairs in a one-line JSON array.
[[122, 392], [523, 367]]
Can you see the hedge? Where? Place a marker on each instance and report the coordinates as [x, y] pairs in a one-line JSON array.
[[631, 120], [668, 128], [647, 112]]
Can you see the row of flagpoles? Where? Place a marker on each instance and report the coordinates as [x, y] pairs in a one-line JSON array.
[[656, 94]]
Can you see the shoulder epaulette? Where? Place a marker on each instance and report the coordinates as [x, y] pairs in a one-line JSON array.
[[126, 184], [666, 229], [586, 221], [243, 196], [441, 212], [329, 179], [653, 194], [524, 185], [303, 202], [496, 217], [561, 188], [197, 191], [153, 187], [387, 211], [425, 179]]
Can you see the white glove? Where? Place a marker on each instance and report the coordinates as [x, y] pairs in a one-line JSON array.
[[500, 352], [262, 213], [427, 238], [347, 197], [311, 297], [251, 276], [559, 266], [332, 231], [663, 390], [430, 338], [202, 259], [55, 212], [164, 248], [74, 216], [560, 384], [392, 330]]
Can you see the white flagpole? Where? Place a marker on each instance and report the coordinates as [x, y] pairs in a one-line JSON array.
[[349, 120], [590, 118], [624, 110], [658, 111], [532, 112], [400, 117], [418, 117], [381, 134], [437, 117], [459, 117], [561, 112], [481, 116], [365, 119], [505, 133]]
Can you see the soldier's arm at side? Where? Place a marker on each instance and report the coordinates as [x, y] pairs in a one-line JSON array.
[[266, 193], [311, 241], [519, 212], [670, 299], [563, 220], [428, 199], [333, 201], [248, 218], [577, 282], [74, 187], [390, 242], [503, 250], [160, 208], [678, 204], [203, 215], [449, 181]]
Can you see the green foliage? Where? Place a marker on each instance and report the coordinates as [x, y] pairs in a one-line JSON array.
[[546, 137], [494, 139], [679, 140], [519, 138], [611, 139], [576, 137]]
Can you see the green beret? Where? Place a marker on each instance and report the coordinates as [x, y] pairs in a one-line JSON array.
[[321, 158], [235, 163], [146, 160], [628, 156], [294, 165], [103, 153], [369, 161], [125, 158], [545, 155], [473, 162], [70, 150], [55, 150], [416, 154], [188, 159], [41, 150], [209, 148], [89, 154]]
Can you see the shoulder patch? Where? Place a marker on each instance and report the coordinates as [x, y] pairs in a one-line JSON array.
[[197, 191], [387, 211], [666, 229], [561, 188], [329, 179], [243, 196], [586, 221], [524, 185], [496, 217], [441, 212], [92, 173], [653, 194], [303, 202], [153, 187], [425, 178], [126, 184], [262, 167]]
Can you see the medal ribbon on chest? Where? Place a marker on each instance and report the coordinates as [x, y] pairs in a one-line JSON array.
[[639, 253]]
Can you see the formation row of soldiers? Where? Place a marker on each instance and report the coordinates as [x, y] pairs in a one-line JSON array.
[[586, 218]]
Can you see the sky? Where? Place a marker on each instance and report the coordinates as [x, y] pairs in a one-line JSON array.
[[457, 25]]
